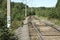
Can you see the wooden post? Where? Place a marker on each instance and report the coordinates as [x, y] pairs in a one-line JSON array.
[[8, 14]]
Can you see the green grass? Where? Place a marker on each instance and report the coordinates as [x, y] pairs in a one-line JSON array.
[[45, 18], [55, 21], [16, 24]]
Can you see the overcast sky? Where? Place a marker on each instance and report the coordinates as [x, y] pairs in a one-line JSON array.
[[38, 3]]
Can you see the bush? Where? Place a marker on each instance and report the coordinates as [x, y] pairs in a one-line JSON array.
[[5, 33], [31, 13], [53, 15]]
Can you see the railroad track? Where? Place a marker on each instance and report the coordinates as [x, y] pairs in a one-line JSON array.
[[41, 31]]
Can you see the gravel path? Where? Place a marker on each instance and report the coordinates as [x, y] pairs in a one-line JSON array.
[[22, 32]]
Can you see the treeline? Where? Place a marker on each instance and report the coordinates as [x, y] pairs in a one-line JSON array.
[[17, 11], [47, 12]]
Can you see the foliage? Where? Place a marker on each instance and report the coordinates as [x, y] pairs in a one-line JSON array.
[[5, 33], [31, 13], [53, 15], [17, 11], [17, 14]]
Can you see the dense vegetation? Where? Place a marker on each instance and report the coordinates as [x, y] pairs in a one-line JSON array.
[[5, 33], [17, 14]]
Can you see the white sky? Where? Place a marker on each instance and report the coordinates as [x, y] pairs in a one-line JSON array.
[[38, 3]]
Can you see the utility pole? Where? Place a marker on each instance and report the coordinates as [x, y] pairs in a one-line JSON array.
[[31, 5], [8, 14], [26, 9]]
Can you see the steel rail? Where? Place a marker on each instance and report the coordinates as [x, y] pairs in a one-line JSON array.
[[38, 31], [48, 24]]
